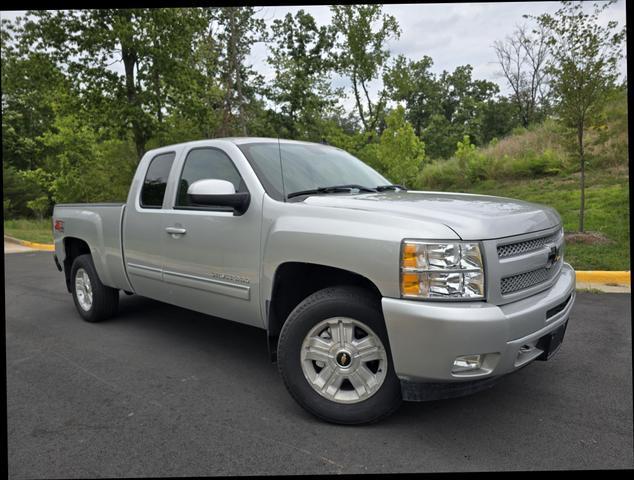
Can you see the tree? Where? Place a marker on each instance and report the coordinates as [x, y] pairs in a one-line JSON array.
[[301, 88], [523, 57], [362, 53], [31, 83], [238, 30], [583, 70], [499, 117], [152, 44], [400, 152], [443, 108], [413, 83], [459, 110], [17, 191]]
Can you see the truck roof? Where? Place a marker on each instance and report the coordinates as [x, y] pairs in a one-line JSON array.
[[234, 140], [242, 140]]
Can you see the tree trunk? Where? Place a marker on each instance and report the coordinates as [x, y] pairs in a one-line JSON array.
[[241, 121], [367, 97], [129, 56], [358, 100], [230, 72], [583, 178], [157, 93]]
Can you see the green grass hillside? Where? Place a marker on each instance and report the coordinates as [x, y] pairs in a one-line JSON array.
[[607, 213], [542, 150], [537, 165]]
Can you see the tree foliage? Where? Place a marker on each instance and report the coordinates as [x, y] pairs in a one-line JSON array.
[[238, 30], [523, 58], [443, 108], [301, 89], [86, 92], [363, 53], [400, 152], [152, 45], [583, 69]]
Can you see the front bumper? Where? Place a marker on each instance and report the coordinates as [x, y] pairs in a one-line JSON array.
[[426, 337]]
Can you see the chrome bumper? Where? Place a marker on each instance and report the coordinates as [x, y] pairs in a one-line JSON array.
[[426, 337]]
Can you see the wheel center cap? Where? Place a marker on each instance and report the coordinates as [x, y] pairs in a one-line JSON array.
[[343, 359]]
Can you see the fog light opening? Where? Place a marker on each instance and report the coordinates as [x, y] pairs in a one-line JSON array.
[[467, 363]]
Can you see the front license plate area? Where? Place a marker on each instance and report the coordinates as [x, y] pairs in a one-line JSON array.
[[551, 343]]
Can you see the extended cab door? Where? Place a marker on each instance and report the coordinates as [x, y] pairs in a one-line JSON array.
[[212, 256], [143, 227]]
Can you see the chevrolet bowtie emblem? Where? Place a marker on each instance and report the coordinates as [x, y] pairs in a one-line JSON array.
[[553, 255], [343, 359]]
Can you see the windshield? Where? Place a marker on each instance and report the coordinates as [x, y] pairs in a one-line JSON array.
[[306, 167]]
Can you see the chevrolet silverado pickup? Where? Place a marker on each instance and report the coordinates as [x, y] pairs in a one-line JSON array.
[[370, 293]]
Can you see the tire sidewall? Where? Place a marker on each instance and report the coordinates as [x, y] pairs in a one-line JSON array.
[[85, 262], [336, 302]]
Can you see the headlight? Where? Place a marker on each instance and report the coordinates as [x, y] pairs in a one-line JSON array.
[[441, 270]]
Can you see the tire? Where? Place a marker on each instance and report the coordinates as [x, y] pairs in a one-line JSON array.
[[338, 308], [97, 303]]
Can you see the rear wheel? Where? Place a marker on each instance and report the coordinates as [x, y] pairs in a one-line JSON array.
[[94, 301], [334, 357]]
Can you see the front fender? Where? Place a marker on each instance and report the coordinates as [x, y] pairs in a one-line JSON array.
[[362, 242]]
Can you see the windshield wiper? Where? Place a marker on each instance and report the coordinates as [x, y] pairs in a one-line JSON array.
[[383, 188], [332, 189]]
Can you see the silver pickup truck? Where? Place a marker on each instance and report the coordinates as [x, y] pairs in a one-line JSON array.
[[370, 294]]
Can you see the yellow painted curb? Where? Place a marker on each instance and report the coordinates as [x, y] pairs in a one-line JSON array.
[[47, 247], [598, 276]]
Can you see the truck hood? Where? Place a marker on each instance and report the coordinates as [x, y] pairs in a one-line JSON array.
[[472, 217]]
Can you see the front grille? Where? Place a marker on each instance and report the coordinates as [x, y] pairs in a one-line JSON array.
[[513, 249], [515, 283]]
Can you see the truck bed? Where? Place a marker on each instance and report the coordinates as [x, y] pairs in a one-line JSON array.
[[99, 225]]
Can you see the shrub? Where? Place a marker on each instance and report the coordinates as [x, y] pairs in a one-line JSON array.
[[6, 207], [40, 206], [471, 161], [400, 152], [441, 175], [17, 190]]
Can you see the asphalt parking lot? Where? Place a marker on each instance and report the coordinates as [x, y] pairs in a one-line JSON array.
[[163, 391]]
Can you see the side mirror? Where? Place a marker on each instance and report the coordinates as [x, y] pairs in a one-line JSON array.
[[218, 193]]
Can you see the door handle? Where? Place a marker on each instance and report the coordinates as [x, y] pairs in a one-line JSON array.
[[176, 231]]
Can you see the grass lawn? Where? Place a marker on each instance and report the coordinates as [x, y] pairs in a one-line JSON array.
[[607, 212], [30, 229]]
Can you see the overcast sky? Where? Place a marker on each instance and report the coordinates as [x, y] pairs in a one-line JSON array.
[[451, 34]]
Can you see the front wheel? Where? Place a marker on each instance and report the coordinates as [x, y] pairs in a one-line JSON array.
[[334, 357]]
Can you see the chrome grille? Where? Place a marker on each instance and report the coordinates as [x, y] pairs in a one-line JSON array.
[[512, 249], [525, 280]]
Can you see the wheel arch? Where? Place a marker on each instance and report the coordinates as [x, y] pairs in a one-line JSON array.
[[294, 281], [73, 247]]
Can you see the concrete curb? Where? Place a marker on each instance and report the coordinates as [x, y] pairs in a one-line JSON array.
[[603, 277], [45, 247]]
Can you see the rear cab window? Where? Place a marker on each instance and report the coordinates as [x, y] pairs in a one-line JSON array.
[[155, 182]]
